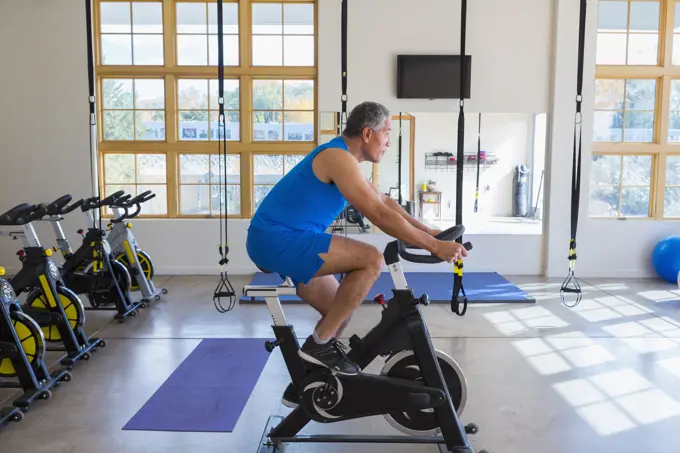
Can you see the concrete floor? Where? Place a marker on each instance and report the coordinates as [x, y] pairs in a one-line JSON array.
[[542, 378]]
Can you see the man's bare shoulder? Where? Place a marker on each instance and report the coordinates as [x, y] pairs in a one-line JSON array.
[[332, 161]]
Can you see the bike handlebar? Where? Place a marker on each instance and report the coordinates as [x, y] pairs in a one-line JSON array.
[[450, 234], [23, 214], [72, 207]]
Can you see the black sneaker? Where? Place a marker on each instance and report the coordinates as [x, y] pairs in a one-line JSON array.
[[290, 397], [330, 355]]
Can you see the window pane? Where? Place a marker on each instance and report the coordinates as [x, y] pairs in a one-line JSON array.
[[637, 170], [149, 93], [267, 126], [117, 93], [639, 127], [292, 160], [675, 95], [147, 17], [298, 94], [158, 205], [231, 125], [643, 49], [233, 169], [192, 50], [194, 199], [231, 94], [298, 19], [608, 126], [150, 125], [151, 168], [298, 50], [117, 49], [609, 94], [194, 168], [127, 188], [605, 170], [676, 28], [268, 169], [299, 126], [192, 94], [635, 201], [671, 202], [674, 127], [604, 201], [192, 18], [613, 16], [676, 47], [640, 94], [118, 125], [644, 16], [673, 171], [115, 17], [229, 18], [148, 50], [267, 94], [260, 193], [119, 168], [231, 50], [233, 199], [611, 48], [267, 18], [193, 125], [267, 50]]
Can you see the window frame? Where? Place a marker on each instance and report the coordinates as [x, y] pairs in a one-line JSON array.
[[660, 148], [170, 71]]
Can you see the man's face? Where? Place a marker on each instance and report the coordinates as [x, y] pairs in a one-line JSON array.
[[377, 142]]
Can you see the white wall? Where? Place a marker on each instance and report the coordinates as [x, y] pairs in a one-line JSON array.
[[506, 134], [379, 30]]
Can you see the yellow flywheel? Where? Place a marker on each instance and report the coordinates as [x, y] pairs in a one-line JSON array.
[[32, 342], [75, 312]]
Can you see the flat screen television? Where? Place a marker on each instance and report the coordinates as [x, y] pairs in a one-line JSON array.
[[432, 76]]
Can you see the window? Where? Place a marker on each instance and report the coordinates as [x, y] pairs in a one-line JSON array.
[[197, 34], [283, 34], [620, 186], [137, 173], [624, 110], [200, 176], [157, 99], [131, 33], [134, 109], [636, 127], [198, 109], [283, 110], [672, 187], [269, 169], [628, 32]]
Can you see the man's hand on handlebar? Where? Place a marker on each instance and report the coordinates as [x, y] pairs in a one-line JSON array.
[[433, 231], [450, 251]]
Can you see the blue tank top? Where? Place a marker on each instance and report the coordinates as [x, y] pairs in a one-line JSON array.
[[300, 201]]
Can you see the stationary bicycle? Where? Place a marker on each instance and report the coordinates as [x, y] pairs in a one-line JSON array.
[[91, 270], [60, 312], [420, 391], [22, 356], [125, 249]]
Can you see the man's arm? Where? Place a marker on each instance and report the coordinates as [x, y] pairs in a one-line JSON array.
[[393, 204], [340, 167]]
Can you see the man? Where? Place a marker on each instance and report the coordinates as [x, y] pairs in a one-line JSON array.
[[288, 235]]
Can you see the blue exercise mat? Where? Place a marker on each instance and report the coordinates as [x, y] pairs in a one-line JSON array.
[[480, 287], [208, 391]]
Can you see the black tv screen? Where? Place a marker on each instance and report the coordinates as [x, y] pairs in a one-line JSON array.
[[432, 76]]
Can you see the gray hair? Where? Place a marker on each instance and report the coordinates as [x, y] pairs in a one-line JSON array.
[[367, 114]]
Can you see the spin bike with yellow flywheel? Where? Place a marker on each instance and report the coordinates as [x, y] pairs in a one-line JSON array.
[[56, 309], [22, 356]]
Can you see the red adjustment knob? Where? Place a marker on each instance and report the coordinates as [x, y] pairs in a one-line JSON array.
[[80, 231], [379, 299], [20, 253]]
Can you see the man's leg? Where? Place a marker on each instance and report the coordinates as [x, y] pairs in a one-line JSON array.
[[320, 293], [361, 263]]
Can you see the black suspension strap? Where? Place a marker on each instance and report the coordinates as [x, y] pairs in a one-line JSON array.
[[343, 98], [571, 284], [479, 156], [399, 164], [224, 287], [92, 101], [459, 297]]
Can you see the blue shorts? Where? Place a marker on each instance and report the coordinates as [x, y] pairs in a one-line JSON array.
[[291, 253]]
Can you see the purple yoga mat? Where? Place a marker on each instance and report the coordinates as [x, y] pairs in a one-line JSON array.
[[208, 391]]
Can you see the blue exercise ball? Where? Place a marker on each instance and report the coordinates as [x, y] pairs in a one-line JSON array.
[[666, 258]]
